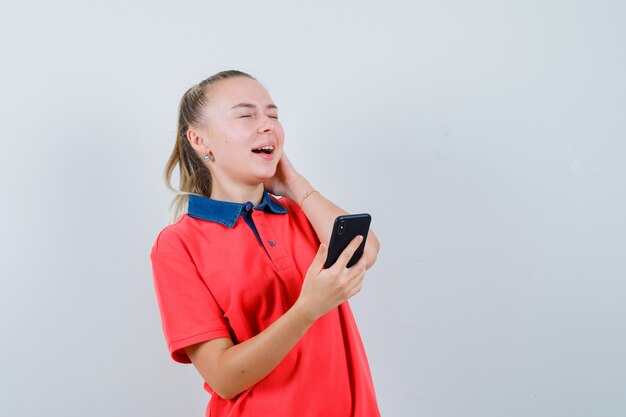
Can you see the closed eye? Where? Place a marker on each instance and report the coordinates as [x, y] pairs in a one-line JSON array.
[[249, 115]]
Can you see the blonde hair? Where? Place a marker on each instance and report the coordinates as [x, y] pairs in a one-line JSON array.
[[195, 177]]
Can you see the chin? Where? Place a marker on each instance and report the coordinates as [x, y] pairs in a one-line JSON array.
[[265, 175]]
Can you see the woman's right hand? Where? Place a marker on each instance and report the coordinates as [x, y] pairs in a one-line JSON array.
[[325, 289]]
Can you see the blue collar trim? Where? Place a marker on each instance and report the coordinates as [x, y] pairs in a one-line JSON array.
[[225, 212]]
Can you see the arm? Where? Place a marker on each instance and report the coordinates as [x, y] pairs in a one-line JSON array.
[[322, 212], [231, 369]]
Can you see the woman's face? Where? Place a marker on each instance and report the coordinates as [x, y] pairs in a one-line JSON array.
[[243, 131]]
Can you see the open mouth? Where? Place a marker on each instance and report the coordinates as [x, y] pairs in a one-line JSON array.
[[264, 149]]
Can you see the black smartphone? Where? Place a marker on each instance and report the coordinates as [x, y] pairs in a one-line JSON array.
[[346, 228]]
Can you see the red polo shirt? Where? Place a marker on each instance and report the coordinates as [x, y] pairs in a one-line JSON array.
[[230, 270]]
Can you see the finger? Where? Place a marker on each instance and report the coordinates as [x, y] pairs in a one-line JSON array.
[[356, 289], [320, 258], [362, 263], [354, 285], [347, 253], [358, 270]]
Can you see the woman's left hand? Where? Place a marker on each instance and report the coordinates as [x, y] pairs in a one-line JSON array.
[[285, 179]]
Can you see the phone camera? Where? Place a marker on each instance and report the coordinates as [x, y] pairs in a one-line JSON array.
[[342, 227]]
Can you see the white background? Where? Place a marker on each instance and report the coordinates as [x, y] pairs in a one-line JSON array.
[[487, 139]]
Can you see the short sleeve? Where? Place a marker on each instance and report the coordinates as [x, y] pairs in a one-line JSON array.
[[189, 312], [301, 220]]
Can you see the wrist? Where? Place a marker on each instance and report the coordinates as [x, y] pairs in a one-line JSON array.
[[298, 188], [303, 313]]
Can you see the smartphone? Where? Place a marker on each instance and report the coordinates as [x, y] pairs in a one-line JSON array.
[[346, 228]]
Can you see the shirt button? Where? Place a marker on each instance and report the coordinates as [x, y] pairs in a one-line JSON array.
[[272, 243], [248, 207]]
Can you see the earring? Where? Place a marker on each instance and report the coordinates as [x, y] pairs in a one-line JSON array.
[[208, 157]]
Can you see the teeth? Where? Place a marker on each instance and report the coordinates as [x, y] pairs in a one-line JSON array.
[[265, 148]]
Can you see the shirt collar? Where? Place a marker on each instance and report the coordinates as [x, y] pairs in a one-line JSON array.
[[225, 212]]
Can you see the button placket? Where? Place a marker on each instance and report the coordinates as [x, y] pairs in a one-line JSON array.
[[276, 251]]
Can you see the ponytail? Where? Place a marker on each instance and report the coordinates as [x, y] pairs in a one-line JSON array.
[[195, 177]]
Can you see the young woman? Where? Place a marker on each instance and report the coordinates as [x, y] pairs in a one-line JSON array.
[[239, 276]]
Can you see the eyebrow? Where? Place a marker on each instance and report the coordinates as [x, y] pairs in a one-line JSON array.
[[253, 106]]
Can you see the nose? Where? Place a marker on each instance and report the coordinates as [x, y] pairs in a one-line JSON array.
[[267, 125]]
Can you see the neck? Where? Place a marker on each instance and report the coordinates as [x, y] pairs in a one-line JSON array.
[[237, 193]]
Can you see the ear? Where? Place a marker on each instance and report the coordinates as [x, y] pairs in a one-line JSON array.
[[197, 140], [200, 143]]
